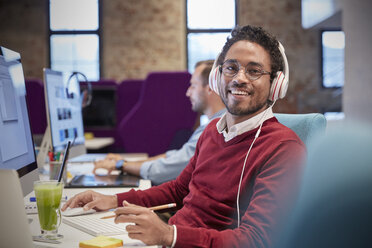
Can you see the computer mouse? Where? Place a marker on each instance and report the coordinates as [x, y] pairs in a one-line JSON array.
[[101, 172], [77, 211]]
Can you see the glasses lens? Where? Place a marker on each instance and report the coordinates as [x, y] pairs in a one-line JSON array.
[[230, 68], [254, 73]]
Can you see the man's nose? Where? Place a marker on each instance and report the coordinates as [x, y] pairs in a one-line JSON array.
[[241, 75]]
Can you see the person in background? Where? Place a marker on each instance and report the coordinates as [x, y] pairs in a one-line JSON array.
[[168, 166], [243, 180]]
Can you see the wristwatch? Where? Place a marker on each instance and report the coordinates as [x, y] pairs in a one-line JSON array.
[[119, 164]]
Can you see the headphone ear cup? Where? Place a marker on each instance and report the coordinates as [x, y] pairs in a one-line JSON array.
[[214, 79], [279, 87]]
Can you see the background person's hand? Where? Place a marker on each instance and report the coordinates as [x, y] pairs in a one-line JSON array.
[[148, 227], [107, 164], [113, 156], [91, 199]]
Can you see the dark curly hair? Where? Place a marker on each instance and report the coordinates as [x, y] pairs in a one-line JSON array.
[[261, 37]]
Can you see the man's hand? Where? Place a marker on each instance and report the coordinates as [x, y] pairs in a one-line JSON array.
[[91, 199], [148, 227], [107, 164]]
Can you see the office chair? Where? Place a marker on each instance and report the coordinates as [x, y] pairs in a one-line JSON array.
[[335, 203], [306, 126], [161, 111], [128, 93]]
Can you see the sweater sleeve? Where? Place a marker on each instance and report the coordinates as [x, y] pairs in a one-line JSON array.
[[168, 168], [169, 192], [274, 193]]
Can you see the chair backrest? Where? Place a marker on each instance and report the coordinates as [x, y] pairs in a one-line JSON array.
[[128, 94], [161, 111], [36, 105], [306, 126]]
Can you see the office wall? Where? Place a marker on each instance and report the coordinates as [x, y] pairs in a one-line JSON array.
[[283, 19], [23, 28], [140, 36], [357, 97]]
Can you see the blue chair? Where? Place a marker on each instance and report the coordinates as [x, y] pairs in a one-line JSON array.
[[306, 126]]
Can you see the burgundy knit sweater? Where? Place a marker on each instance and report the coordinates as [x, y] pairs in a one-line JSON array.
[[206, 190]]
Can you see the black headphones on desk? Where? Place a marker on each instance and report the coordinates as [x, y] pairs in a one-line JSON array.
[[86, 95]]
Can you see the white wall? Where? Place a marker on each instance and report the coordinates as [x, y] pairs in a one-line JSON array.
[[356, 23]]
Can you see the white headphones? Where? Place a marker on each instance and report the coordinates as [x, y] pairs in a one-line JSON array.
[[278, 87]]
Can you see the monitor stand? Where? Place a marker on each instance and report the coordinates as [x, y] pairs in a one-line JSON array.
[[45, 147]]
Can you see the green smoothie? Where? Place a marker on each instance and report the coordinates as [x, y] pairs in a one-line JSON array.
[[48, 198]]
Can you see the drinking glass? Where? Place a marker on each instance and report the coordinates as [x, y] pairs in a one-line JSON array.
[[48, 198]]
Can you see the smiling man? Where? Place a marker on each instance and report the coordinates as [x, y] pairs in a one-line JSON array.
[[242, 181]]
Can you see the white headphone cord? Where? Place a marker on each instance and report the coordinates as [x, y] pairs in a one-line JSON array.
[[245, 160]]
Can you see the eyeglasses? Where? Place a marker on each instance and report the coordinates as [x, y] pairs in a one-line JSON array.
[[230, 68]]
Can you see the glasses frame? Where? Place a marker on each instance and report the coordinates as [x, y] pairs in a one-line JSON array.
[[250, 77]]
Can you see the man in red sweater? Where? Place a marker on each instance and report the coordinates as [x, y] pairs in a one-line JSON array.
[[242, 181]]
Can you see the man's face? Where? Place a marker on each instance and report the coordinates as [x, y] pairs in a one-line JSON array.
[[242, 97], [196, 91]]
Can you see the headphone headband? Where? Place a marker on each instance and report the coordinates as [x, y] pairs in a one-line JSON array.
[[279, 85]]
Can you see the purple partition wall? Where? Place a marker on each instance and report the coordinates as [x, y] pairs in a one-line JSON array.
[[36, 105], [161, 112], [128, 93]]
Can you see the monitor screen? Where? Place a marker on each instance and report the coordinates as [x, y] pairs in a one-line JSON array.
[[16, 144], [101, 113], [63, 106]]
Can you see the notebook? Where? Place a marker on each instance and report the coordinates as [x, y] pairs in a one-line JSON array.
[[15, 230]]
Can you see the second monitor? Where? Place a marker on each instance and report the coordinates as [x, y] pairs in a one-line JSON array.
[[64, 116]]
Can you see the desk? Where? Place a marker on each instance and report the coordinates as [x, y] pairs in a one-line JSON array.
[[71, 235], [98, 143]]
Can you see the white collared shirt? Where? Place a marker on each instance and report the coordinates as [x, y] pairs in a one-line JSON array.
[[244, 126]]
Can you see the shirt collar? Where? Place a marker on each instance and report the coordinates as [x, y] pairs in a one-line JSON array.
[[218, 114], [244, 126]]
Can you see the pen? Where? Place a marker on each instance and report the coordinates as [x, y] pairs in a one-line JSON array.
[[33, 199], [65, 157], [160, 207]]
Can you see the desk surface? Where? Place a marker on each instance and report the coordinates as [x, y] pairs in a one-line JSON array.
[[71, 235], [98, 143]]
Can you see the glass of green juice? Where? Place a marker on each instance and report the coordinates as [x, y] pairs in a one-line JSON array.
[[48, 198]]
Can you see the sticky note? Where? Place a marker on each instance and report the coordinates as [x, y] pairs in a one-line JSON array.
[[101, 242]]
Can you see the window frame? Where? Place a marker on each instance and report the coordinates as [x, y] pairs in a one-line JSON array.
[[321, 57], [97, 32], [205, 31]]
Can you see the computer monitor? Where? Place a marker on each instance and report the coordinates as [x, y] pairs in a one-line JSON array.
[[101, 113], [64, 112], [16, 144]]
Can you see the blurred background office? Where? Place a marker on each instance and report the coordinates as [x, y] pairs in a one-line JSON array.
[[327, 44]]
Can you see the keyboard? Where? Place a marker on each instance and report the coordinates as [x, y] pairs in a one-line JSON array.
[[94, 225], [31, 208]]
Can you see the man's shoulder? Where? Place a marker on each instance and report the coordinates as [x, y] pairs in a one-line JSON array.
[[281, 132]]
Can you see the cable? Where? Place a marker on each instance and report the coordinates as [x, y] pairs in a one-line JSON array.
[[262, 120]]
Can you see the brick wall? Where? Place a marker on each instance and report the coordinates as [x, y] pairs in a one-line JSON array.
[[140, 36], [283, 19]]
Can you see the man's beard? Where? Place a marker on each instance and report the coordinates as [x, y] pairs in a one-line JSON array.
[[241, 111], [237, 110]]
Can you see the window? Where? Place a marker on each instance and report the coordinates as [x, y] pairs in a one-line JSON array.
[[74, 36], [333, 46], [209, 23]]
